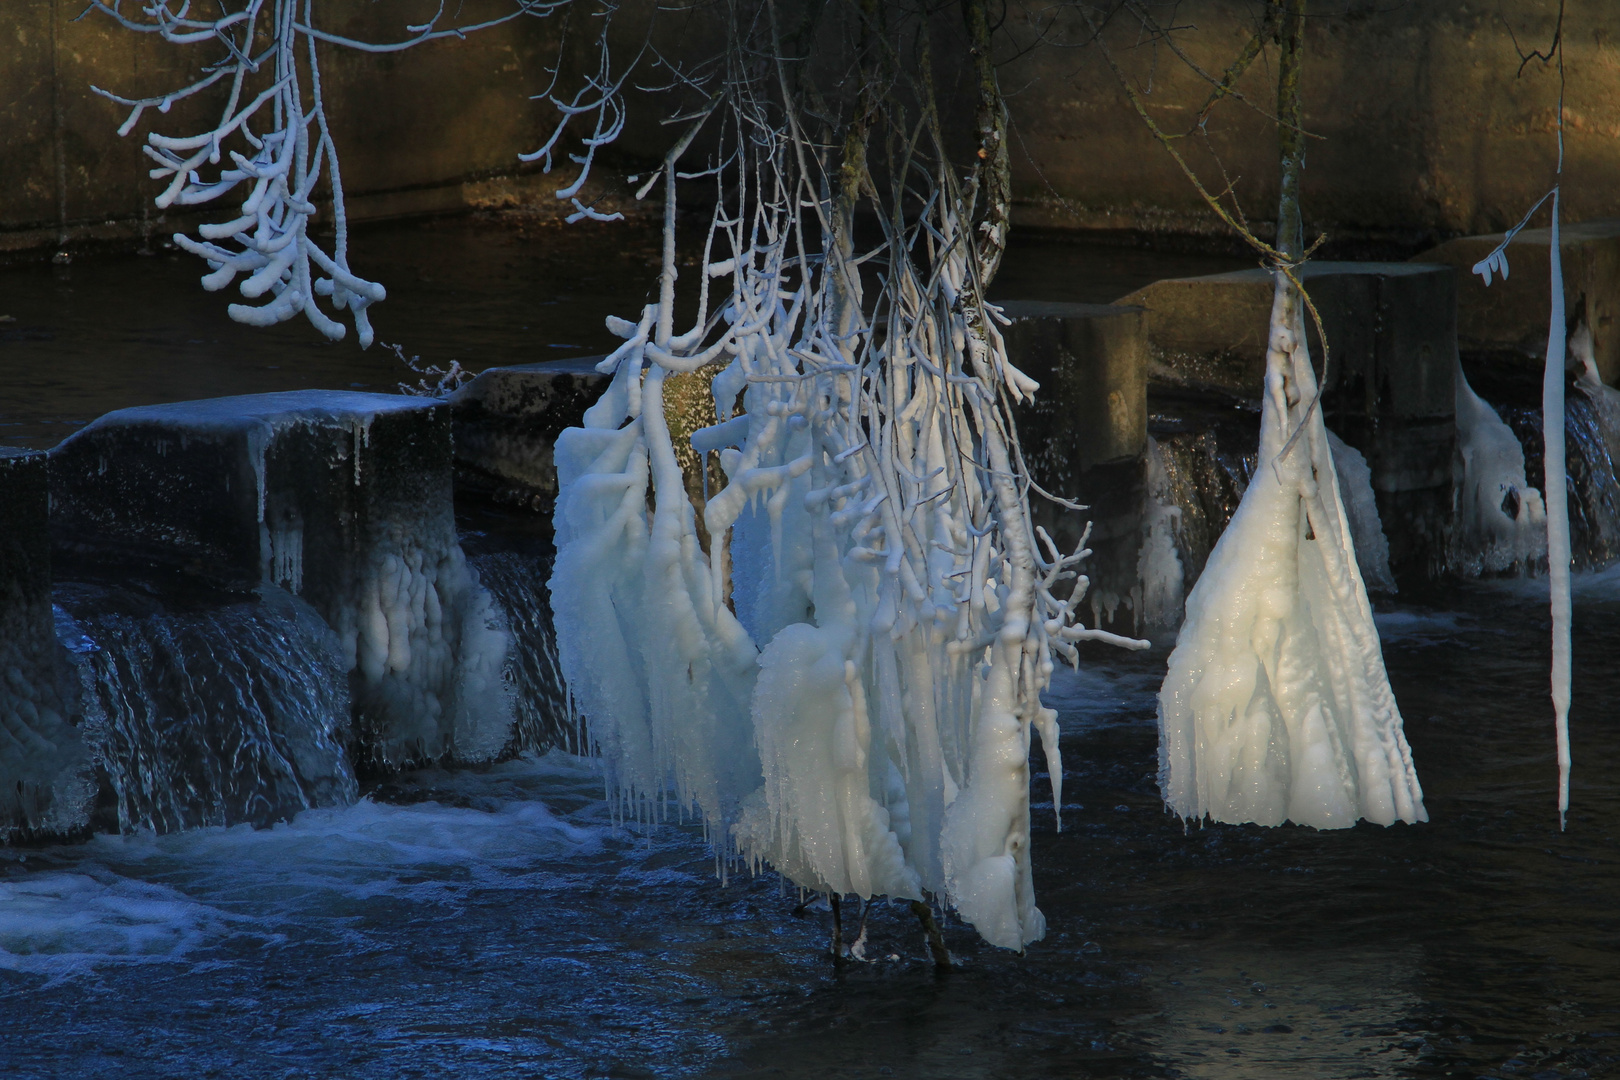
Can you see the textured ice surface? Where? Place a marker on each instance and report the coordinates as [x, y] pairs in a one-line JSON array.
[[1276, 706], [1361, 506]]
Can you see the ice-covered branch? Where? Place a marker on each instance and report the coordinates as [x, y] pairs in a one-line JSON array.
[[846, 684], [271, 138]]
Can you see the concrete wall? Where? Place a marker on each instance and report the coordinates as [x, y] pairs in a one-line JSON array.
[[1426, 130], [1424, 125]]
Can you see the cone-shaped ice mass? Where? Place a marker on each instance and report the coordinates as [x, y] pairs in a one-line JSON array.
[[1276, 706]]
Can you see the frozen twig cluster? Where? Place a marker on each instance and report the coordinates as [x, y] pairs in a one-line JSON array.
[[280, 122], [271, 143], [846, 684]]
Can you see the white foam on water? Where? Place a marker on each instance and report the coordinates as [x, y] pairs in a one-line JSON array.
[[63, 924], [145, 897]]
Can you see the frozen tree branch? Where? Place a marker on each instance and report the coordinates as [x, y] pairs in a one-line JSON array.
[[272, 140]]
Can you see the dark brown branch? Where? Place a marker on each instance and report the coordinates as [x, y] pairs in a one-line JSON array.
[[993, 169]]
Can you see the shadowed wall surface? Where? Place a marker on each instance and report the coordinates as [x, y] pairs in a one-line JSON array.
[[1426, 127]]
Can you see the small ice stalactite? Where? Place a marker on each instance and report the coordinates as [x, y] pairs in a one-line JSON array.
[[213, 717], [1355, 485], [1276, 706], [1159, 571], [1501, 519], [545, 714]]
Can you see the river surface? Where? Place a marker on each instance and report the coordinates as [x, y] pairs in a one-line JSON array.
[[499, 923]]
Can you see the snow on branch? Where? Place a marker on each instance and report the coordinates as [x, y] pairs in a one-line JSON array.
[[271, 144]]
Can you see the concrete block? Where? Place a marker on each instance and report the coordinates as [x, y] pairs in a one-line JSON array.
[[1084, 435], [1391, 330], [344, 500], [1510, 316], [507, 420], [1091, 362], [44, 783]]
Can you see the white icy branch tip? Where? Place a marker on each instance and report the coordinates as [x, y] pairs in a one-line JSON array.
[[1497, 260]]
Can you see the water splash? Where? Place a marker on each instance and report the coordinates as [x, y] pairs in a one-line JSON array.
[[222, 715], [1204, 476]]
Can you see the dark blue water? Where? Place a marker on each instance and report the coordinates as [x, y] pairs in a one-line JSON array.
[[498, 924]]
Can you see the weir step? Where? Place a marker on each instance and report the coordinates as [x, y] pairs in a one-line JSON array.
[[45, 788], [341, 499], [506, 422], [1084, 435]]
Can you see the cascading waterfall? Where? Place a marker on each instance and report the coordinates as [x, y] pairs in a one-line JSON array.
[[546, 716], [222, 715]]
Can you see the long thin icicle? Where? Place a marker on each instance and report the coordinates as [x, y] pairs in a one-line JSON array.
[[1556, 486]]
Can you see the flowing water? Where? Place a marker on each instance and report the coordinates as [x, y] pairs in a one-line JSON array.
[[498, 922], [218, 714]]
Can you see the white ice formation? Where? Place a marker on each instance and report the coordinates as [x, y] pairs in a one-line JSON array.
[[1161, 578], [1605, 399], [1276, 706], [845, 686], [1501, 519]]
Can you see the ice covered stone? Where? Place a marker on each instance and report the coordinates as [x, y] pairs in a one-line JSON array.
[[507, 421], [343, 499], [44, 783]]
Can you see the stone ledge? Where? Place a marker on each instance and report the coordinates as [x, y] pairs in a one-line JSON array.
[[506, 422]]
